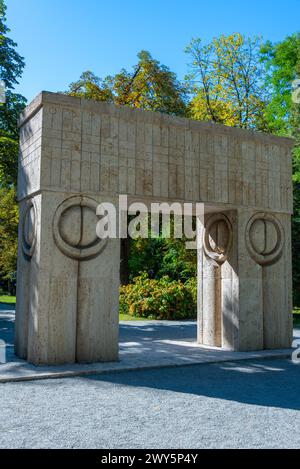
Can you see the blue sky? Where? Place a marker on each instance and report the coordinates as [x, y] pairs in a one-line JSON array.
[[62, 38]]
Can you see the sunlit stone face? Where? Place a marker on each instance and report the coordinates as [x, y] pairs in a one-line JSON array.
[[78, 226], [263, 236]]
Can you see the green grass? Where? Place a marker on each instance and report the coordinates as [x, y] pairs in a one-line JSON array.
[[7, 299], [127, 317]]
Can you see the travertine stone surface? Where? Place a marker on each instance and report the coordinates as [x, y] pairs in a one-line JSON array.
[[76, 153], [245, 295], [69, 311], [97, 147]]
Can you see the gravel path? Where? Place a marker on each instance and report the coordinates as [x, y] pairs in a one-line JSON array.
[[247, 404]]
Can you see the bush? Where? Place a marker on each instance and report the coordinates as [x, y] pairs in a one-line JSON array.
[[191, 285], [157, 299]]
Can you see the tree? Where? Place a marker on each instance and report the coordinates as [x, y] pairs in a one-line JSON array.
[[225, 81], [9, 137], [282, 61], [149, 85], [205, 108], [9, 148], [11, 67], [10, 112], [160, 257], [89, 86], [11, 63], [8, 231]]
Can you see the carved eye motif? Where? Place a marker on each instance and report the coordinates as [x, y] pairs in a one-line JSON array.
[[28, 240], [74, 228], [77, 226], [264, 238], [217, 237]]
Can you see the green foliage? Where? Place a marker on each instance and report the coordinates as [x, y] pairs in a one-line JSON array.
[[281, 61], [150, 86], [178, 262], [191, 285], [214, 109], [8, 160], [9, 217], [89, 86], [146, 256], [11, 63], [127, 317], [11, 67], [10, 112], [157, 299], [226, 78], [161, 256]]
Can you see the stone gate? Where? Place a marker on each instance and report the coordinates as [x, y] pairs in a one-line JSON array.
[[77, 153]]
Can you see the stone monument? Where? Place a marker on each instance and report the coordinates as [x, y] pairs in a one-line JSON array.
[[76, 153]]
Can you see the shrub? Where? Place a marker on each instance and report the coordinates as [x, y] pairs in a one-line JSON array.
[[157, 299], [191, 285]]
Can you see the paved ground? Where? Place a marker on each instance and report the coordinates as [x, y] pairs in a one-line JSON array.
[[143, 344], [247, 404], [230, 405]]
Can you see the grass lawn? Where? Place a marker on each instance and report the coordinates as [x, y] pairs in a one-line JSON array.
[[127, 317], [7, 299]]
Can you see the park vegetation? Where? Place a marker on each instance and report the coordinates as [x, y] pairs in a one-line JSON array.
[[234, 80]]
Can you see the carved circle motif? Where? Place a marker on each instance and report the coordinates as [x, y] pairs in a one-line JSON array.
[[264, 238], [217, 237], [28, 239], [74, 228]]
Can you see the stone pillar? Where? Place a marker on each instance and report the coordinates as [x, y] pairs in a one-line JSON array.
[[216, 241], [27, 241], [244, 300], [72, 281], [268, 243]]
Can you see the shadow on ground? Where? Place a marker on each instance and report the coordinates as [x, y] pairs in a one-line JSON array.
[[271, 383], [148, 331]]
